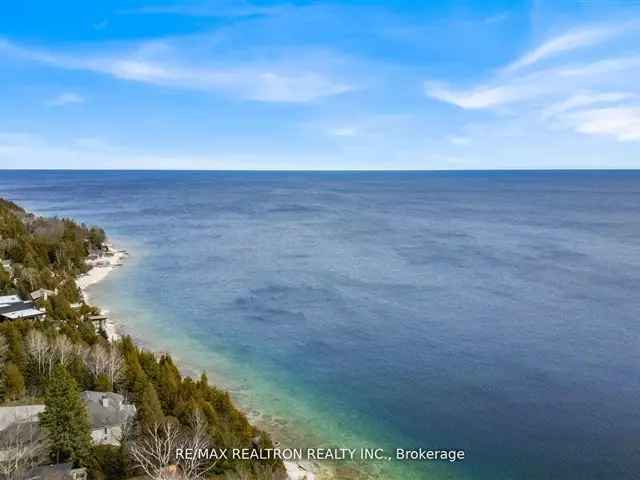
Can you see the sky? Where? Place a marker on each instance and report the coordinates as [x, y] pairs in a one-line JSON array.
[[318, 85]]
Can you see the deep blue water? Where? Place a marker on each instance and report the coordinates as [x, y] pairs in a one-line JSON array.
[[494, 312]]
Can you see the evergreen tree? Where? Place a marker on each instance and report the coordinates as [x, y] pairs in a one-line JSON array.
[[103, 384], [149, 409], [65, 419], [16, 352], [13, 382]]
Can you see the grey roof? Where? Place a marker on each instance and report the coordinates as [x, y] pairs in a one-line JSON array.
[[17, 306], [19, 413], [20, 310], [107, 409]]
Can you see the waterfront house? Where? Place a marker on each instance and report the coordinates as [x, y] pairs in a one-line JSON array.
[[41, 294], [109, 416], [21, 311], [99, 322]]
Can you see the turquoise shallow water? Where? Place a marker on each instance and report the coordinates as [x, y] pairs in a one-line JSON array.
[[493, 312]]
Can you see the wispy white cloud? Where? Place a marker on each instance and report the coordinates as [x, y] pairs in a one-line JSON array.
[[562, 95], [607, 66], [160, 64], [585, 99], [65, 98], [622, 123], [566, 42], [205, 9], [480, 97]]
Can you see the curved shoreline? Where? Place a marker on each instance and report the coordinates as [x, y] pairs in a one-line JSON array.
[[114, 331]]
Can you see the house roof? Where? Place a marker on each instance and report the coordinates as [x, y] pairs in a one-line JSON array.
[[17, 306], [19, 310], [107, 409], [41, 292], [8, 299], [19, 413]]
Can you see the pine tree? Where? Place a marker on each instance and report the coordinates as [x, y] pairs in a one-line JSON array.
[[149, 409], [65, 419]]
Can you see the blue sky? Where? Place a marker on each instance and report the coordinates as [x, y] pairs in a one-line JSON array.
[[320, 85]]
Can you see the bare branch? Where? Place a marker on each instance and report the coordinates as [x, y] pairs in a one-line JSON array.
[[196, 439], [39, 349], [154, 452], [22, 446], [62, 349]]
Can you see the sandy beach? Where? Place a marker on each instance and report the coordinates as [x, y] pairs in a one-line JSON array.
[[102, 267]]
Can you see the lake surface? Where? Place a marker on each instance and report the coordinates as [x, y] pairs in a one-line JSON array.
[[497, 313]]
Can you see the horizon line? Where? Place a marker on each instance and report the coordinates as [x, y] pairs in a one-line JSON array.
[[355, 170]]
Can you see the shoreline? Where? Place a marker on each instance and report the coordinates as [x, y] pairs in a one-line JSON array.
[[98, 272]]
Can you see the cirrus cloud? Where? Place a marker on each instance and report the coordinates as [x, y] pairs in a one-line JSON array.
[[164, 64]]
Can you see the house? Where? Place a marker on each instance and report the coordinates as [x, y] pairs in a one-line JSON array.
[[21, 310], [99, 322], [9, 299], [41, 294], [109, 416], [59, 471]]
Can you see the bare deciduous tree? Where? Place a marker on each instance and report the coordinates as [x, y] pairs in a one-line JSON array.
[[106, 361], [39, 349], [115, 364], [22, 447], [97, 360], [81, 351], [196, 439], [154, 453], [29, 275], [62, 350]]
